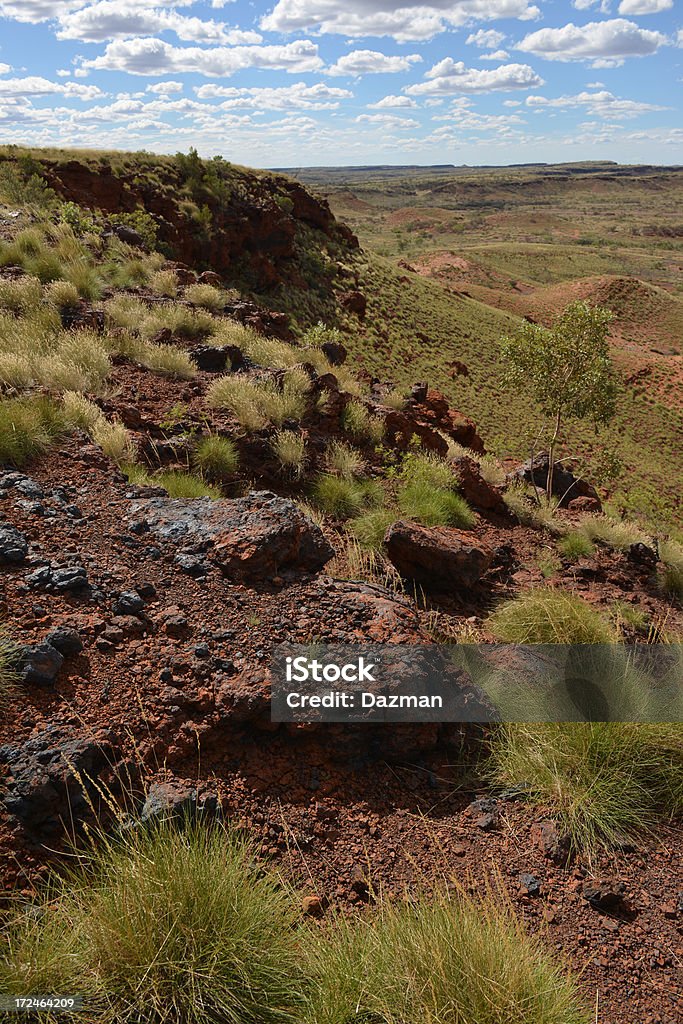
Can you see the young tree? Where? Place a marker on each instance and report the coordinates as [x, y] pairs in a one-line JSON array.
[[565, 370]]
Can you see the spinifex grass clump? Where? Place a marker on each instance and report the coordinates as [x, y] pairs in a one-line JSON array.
[[548, 616], [342, 498], [161, 926], [257, 403], [442, 960], [216, 457], [28, 426], [8, 677], [606, 781], [427, 493]]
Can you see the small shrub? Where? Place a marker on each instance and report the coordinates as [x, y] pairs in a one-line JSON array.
[[216, 458], [290, 451], [124, 311], [8, 676], [62, 295], [446, 959], [576, 545], [256, 403], [185, 485], [342, 499], [435, 508], [396, 399], [164, 283], [671, 577], [21, 295], [427, 471], [85, 279], [530, 513], [606, 781], [206, 296], [547, 616], [28, 427], [369, 528], [183, 322], [114, 440], [614, 533], [359, 422], [80, 412], [344, 460], [164, 924], [167, 360]]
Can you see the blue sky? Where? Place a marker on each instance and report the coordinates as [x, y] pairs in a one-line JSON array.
[[310, 82]]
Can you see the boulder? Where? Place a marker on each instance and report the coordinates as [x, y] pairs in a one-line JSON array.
[[584, 504], [40, 664], [438, 557], [210, 358], [355, 302], [474, 488], [334, 352], [566, 486], [128, 235], [250, 538]]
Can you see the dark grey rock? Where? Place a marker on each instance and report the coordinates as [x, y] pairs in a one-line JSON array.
[[39, 664], [65, 640], [67, 579], [210, 358], [13, 545], [530, 884], [128, 603]]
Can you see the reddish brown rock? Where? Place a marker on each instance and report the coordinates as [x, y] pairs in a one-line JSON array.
[[585, 504], [401, 427], [474, 488], [438, 557], [355, 302]]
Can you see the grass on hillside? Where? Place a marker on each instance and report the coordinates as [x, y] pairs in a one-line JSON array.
[[28, 427], [216, 458], [258, 403], [607, 782], [548, 616], [8, 676]]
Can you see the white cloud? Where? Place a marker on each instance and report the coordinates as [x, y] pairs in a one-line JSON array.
[[156, 57], [412, 20], [644, 6], [392, 102], [63, 73], [600, 104], [609, 41], [113, 19], [387, 121], [35, 86], [370, 62], [291, 97], [495, 55], [585, 5], [5, 68], [448, 77], [33, 11], [165, 88], [487, 38]]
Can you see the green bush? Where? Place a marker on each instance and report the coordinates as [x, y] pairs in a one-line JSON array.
[[185, 485], [607, 782], [576, 545], [342, 498], [443, 960], [547, 616], [28, 426], [370, 527], [432, 507], [216, 458], [164, 925], [359, 422]]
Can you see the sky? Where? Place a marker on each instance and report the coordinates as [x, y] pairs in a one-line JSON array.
[[294, 83]]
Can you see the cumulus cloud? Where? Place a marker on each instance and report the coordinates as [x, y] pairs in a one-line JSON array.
[[495, 55], [387, 121], [5, 68], [644, 6], [291, 97], [449, 76], [156, 57], [391, 102], [113, 19], [165, 88], [370, 62], [412, 20], [34, 86], [33, 11], [600, 104], [598, 41], [487, 38]]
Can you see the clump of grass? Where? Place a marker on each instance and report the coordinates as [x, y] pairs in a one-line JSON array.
[[607, 781], [164, 924], [185, 485], [548, 616], [613, 533], [256, 403], [85, 280], [21, 295], [164, 283], [435, 508], [8, 676], [575, 545], [343, 460], [166, 360], [671, 576], [446, 959], [358, 421], [396, 399], [182, 321], [28, 427], [355, 561], [369, 528], [529, 513], [205, 296], [124, 311], [625, 614], [216, 458], [137, 474], [62, 295], [290, 451], [342, 498], [491, 470], [112, 437]]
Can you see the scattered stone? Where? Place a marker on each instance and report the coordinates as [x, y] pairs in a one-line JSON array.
[[65, 640], [209, 277], [438, 557], [13, 545], [210, 358], [192, 565], [530, 884], [71, 579], [584, 504], [566, 486], [250, 538], [546, 836], [604, 894], [642, 554], [128, 603], [335, 352], [312, 906], [128, 235], [39, 664], [355, 302], [166, 800], [474, 488]]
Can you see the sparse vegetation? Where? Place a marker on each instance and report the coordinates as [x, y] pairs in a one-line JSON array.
[[342, 498], [370, 527], [28, 427], [360, 423], [344, 461], [184, 485], [290, 451], [548, 616], [575, 544], [606, 781], [257, 403], [206, 296], [671, 555], [217, 458]]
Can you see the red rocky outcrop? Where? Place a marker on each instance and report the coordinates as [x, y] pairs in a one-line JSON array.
[[438, 557]]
